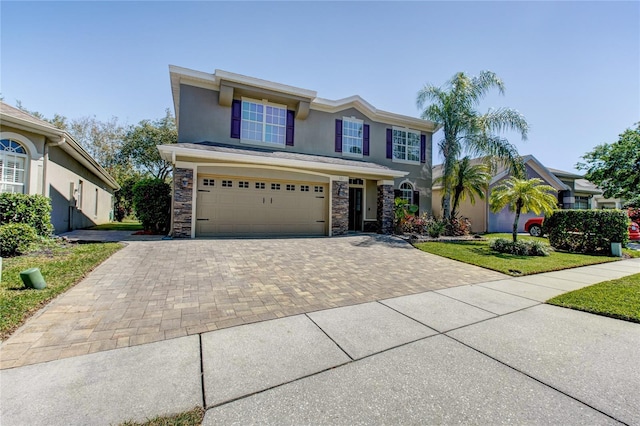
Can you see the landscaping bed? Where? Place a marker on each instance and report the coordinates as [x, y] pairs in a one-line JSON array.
[[477, 252]]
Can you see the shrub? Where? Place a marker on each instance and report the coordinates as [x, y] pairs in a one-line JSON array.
[[33, 210], [403, 212], [16, 238], [586, 231], [519, 248], [152, 203], [457, 226], [435, 228]]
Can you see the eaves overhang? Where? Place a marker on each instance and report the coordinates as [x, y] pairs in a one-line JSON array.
[[180, 75], [174, 152]]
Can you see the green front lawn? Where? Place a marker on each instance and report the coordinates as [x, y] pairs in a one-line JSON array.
[[617, 299], [188, 418], [477, 252], [119, 226], [62, 265]]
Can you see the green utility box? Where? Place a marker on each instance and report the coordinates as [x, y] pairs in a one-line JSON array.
[[32, 278]]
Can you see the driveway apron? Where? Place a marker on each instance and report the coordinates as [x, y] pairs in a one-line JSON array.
[[157, 290]]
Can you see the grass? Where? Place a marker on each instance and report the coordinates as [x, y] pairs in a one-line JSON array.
[[62, 265], [188, 418], [125, 225], [617, 299], [477, 252]]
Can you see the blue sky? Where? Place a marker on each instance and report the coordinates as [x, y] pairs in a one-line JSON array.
[[572, 68]]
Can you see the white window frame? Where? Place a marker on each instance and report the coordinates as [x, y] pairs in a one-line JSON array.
[[263, 142], [404, 191], [405, 144], [15, 158], [80, 197], [345, 152]]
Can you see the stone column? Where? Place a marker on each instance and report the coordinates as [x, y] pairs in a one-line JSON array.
[[182, 202], [339, 207], [385, 207]]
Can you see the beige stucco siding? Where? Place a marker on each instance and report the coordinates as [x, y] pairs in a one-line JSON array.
[[202, 119], [61, 171], [476, 213]]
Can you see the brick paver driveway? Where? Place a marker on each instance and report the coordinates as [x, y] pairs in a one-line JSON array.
[[156, 290]]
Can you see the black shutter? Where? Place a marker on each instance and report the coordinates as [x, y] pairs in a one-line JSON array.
[[416, 201], [423, 149], [291, 118], [236, 118], [338, 135], [365, 140], [397, 193], [389, 143]]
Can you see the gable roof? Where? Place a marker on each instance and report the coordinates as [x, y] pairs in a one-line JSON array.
[[195, 78], [17, 118], [503, 172]]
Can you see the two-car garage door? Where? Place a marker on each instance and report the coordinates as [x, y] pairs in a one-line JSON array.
[[238, 206]]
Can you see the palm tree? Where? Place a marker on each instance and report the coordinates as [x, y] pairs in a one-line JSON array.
[[522, 196], [469, 180], [465, 129]]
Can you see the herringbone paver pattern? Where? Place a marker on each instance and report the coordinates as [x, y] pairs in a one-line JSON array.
[[156, 290]]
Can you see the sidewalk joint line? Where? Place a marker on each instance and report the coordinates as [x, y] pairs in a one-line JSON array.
[[467, 303], [517, 295], [535, 379], [204, 399], [330, 338]]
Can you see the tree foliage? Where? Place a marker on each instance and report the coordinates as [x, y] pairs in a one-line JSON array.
[[127, 153], [141, 141], [615, 167], [152, 203], [468, 181], [468, 131], [522, 196]]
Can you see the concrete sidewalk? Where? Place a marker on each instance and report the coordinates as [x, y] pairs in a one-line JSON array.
[[481, 354]]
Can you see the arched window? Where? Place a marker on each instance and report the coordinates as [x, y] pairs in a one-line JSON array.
[[13, 165], [406, 192]]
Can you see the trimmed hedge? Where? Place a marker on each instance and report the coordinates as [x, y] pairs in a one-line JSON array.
[[16, 238], [586, 231], [152, 203], [33, 210]]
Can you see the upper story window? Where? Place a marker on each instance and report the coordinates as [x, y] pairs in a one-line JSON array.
[[352, 132], [13, 163], [263, 122], [406, 145]]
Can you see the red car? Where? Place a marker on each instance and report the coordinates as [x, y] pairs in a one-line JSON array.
[[534, 227]]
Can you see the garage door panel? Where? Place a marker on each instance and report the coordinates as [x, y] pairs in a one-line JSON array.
[[245, 207]]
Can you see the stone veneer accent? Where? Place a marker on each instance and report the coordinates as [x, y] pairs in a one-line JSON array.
[[182, 203], [385, 209], [339, 207]]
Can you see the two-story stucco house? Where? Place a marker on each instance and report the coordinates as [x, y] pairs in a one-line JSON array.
[[257, 158]]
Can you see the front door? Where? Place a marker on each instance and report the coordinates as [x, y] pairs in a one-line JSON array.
[[355, 209]]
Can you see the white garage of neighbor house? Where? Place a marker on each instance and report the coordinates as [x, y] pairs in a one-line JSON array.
[[38, 158], [258, 158]]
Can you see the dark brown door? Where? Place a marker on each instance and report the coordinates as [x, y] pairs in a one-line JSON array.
[[355, 209]]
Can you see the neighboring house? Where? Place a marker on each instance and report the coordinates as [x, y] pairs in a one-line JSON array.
[[260, 158], [574, 192], [38, 158]]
